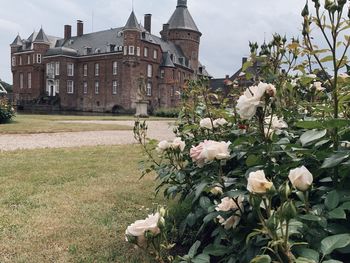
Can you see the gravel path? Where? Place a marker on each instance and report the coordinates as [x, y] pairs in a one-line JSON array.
[[160, 130]]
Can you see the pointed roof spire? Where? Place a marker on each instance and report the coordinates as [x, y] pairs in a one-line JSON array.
[[181, 18], [17, 41], [41, 37], [132, 23]]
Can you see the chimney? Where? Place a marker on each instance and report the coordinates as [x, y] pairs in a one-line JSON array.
[[67, 31], [80, 28], [165, 32], [148, 22]]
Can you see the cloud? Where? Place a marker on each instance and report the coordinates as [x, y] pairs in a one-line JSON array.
[[227, 25]]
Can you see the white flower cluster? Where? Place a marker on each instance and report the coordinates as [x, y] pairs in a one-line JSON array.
[[135, 233], [274, 124], [176, 144], [228, 204], [251, 99], [210, 150], [300, 178], [208, 124]]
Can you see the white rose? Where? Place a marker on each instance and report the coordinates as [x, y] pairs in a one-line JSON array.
[[206, 123], [217, 190], [300, 178], [276, 123], [268, 132], [257, 183], [219, 122], [208, 151], [251, 100], [140, 227], [318, 86], [163, 146], [178, 144], [228, 204], [311, 76]]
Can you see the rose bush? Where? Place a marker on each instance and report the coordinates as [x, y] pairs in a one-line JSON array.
[[270, 181]]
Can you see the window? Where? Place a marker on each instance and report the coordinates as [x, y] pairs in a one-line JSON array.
[[125, 50], [115, 68], [131, 50], [57, 68], [85, 87], [97, 69], [13, 61], [70, 86], [138, 51], [20, 60], [149, 89], [172, 92], [57, 85], [115, 85], [21, 80], [179, 76], [85, 70], [29, 80], [155, 54], [70, 69], [162, 73], [149, 71], [28, 60], [97, 87], [145, 52], [38, 58]]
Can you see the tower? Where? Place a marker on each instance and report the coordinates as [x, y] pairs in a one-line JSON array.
[[182, 30]]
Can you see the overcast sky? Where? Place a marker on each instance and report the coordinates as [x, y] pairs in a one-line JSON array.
[[227, 25]]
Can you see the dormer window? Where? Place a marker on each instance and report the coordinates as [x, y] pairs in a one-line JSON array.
[[87, 50], [97, 51], [111, 48], [143, 35]]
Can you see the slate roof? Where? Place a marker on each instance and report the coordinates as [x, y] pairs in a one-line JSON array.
[[181, 18], [17, 41], [2, 90], [41, 37], [166, 60], [132, 22]]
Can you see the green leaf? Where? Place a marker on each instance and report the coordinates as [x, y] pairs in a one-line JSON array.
[[337, 213], [247, 65], [311, 136], [310, 217], [252, 160], [308, 253], [327, 59], [332, 261], [199, 189], [345, 206], [329, 244], [216, 250], [305, 260], [202, 258], [332, 200], [205, 202], [334, 160], [261, 259], [193, 250]]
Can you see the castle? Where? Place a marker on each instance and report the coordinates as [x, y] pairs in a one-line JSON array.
[[104, 71]]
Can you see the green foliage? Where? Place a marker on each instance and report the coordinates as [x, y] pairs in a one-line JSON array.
[[281, 191], [6, 111], [167, 112]]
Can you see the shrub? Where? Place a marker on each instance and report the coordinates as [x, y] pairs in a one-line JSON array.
[[167, 112], [267, 174], [7, 112]]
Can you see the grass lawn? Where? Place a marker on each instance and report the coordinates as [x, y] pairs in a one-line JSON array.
[[27, 124], [72, 205]]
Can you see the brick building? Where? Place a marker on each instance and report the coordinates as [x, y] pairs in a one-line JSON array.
[[104, 71]]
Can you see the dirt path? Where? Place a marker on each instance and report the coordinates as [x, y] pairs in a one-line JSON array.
[[160, 130]]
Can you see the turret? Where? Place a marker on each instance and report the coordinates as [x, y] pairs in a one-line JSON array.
[[184, 32], [16, 44], [132, 38]]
